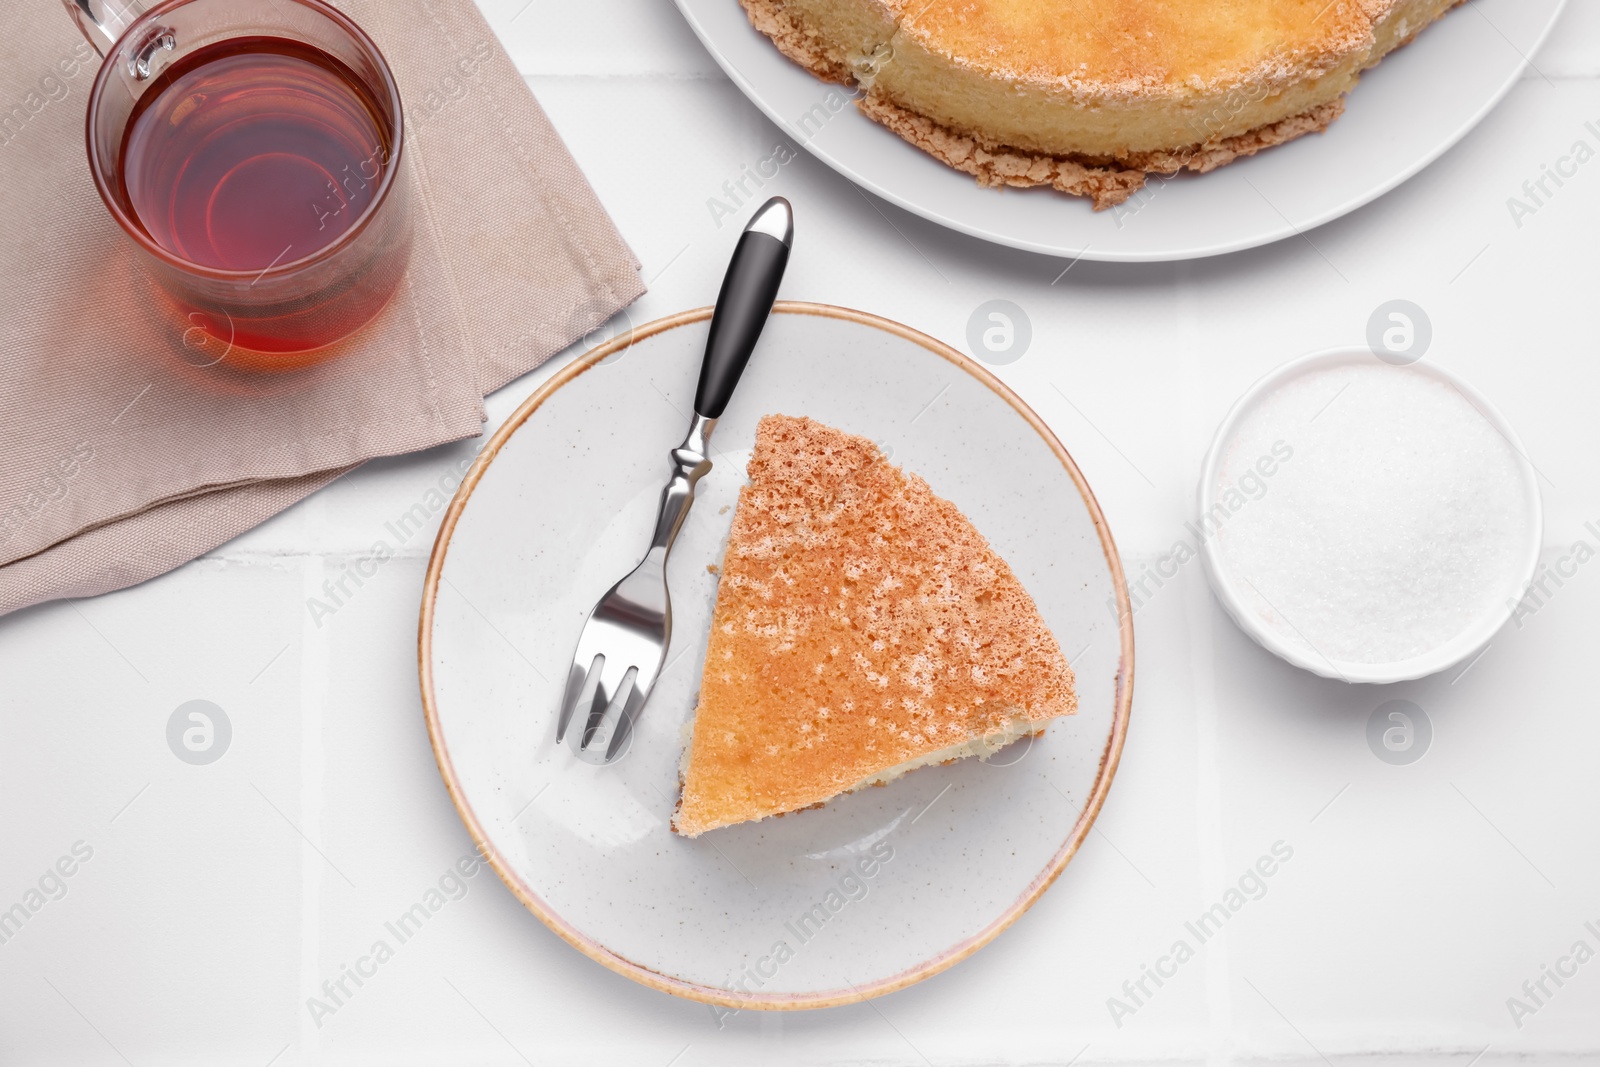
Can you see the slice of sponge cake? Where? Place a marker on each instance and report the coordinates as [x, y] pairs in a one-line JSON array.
[[863, 628]]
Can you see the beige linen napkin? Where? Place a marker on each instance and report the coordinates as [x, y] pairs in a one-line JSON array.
[[122, 455]]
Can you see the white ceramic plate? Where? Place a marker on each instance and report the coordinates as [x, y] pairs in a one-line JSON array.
[[1405, 113], [876, 890]]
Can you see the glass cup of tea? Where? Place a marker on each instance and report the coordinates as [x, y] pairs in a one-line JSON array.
[[251, 149]]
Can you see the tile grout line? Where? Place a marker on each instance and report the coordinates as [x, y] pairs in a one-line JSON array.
[[719, 77], [685, 77], [1208, 772], [313, 690], [1208, 823]]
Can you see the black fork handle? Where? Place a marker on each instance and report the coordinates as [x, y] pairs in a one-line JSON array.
[[748, 291]]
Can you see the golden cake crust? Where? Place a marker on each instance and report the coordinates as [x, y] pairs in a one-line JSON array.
[[862, 624], [1088, 96], [1107, 185]]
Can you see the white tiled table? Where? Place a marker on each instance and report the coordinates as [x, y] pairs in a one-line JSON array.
[[1419, 898]]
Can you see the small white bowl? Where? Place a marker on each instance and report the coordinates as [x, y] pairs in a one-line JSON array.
[[1465, 644]]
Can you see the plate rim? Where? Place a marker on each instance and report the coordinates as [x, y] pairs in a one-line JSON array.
[[851, 173], [1110, 756]]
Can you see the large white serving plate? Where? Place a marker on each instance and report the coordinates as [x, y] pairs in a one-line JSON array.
[[1406, 113], [876, 890]]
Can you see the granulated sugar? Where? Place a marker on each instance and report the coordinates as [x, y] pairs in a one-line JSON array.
[[1400, 520]]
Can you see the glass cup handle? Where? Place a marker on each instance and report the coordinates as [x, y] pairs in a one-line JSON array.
[[104, 22]]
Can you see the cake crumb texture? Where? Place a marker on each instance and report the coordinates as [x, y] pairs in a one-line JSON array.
[[861, 623]]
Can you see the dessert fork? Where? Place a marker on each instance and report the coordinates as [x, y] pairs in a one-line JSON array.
[[624, 642]]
